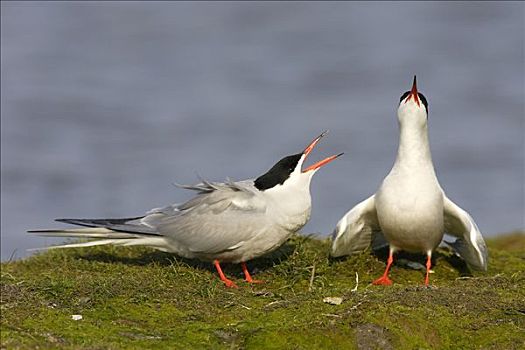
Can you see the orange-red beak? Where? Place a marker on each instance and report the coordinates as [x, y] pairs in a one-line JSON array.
[[322, 162], [413, 93], [309, 149]]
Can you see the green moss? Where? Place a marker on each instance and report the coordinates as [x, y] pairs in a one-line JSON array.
[[139, 298]]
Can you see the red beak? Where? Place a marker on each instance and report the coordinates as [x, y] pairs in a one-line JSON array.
[[309, 149], [413, 93]]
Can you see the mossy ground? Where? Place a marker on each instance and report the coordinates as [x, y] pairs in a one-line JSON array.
[[138, 298]]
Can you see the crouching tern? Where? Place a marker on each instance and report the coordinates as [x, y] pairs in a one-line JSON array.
[[225, 222], [410, 210]]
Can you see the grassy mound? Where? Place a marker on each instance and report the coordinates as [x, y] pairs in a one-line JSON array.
[[139, 298]]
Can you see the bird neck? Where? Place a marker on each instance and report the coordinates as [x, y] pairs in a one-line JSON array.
[[414, 147], [293, 196]]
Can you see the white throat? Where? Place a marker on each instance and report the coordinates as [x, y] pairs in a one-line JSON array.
[[298, 183], [414, 147], [293, 196]]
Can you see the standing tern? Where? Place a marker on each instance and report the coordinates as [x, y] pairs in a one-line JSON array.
[[410, 210], [225, 222]]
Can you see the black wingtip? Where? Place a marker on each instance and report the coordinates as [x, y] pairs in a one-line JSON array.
[[41, 231], [79, 222]]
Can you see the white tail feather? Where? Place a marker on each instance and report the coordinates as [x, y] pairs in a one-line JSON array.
[[105, 236], [153, 242], [92, 232], [82, 244]]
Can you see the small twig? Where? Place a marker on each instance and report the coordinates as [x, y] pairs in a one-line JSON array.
[[12, 256], [286, 286], [356, 305], [479, 278], [7, 274], [332, 315], [274, 303], [356, 282], [312, 279], [233, 304], [229, 305], [259, 293]]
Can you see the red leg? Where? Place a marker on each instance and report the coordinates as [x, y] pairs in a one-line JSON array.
[[227, 282], [247, 276], [429, 264], [384, 280]]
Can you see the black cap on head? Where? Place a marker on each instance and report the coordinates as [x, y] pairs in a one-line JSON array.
[[278, 174]]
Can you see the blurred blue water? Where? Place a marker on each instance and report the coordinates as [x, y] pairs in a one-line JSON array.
[[104, 105]]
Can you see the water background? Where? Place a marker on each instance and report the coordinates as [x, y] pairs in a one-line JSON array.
[[105, 104]]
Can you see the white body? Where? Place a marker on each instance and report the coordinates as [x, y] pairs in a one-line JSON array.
[[242, 226], [409, 202], [410, 210]]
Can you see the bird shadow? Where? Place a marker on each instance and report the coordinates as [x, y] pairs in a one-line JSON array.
[[165, 259], [441, 254]]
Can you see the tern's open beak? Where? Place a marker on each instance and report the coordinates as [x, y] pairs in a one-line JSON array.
[[312, 144], [322, 162], [309, 149], [413, 93]]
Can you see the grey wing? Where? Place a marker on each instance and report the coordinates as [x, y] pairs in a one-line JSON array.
[[222, 217], [469, 243], [357, 230]]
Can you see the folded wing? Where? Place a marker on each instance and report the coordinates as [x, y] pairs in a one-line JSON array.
[[220, 218]]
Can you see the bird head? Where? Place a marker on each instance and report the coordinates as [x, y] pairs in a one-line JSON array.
[[289, 171], [413, 107]]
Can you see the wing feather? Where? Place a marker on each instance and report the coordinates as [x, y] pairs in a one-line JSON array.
[[469, 244], [357, 230], [221, 218]]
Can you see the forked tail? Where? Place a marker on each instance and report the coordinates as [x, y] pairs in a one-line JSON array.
[[124, 232]]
